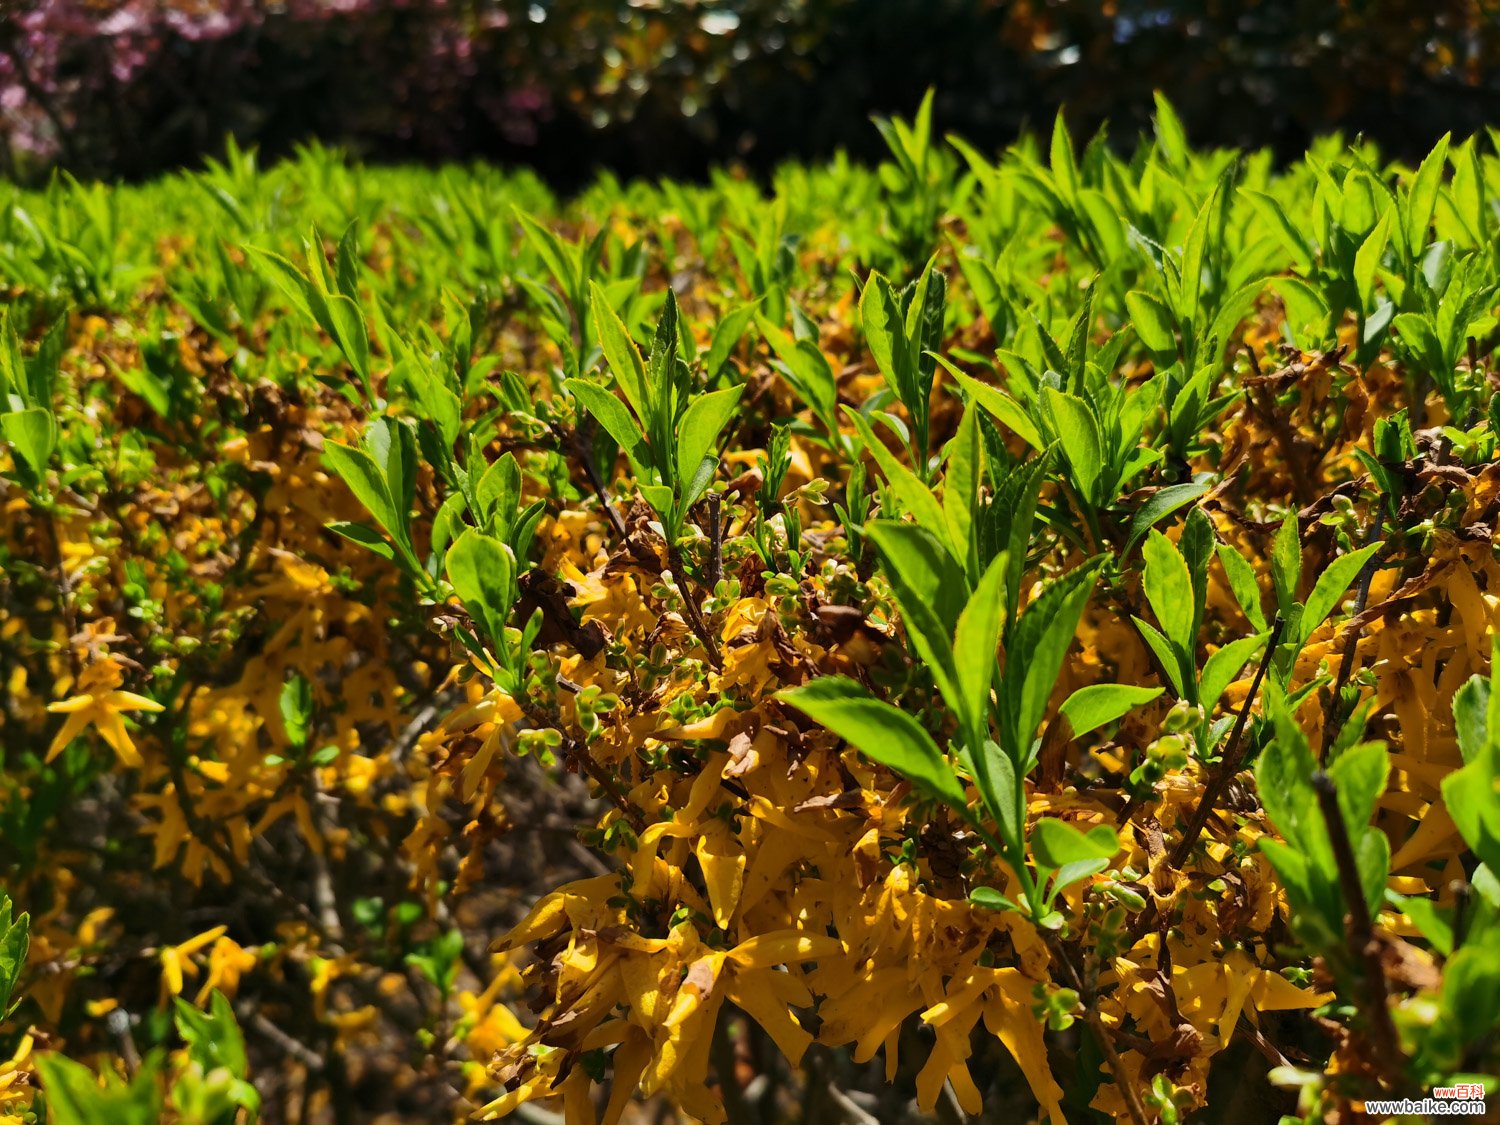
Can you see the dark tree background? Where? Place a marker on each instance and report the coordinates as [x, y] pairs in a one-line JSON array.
[[656, 87]]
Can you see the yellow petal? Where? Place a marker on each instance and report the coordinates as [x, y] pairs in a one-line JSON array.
[[1009, 1017], [763, 997], [112, 729], [628, 1064], [1272, 992], [130, 701], [722, 858], [68, 706], [783, 947], [206, 938], [77, 722], [171, 967]]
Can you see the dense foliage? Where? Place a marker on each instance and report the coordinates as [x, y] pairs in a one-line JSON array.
[[1005, 636], [671, 87]]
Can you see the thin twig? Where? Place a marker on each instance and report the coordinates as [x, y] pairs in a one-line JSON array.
[[64, 588], [1364, 949], [1229, 766], [1101, 1033], [576, 751], [715, 539], [581, 451], [1334, 714], [1234, 755], [694, 614], [289, 1046]]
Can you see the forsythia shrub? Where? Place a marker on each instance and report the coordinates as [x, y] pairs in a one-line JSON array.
[[1027, 620]]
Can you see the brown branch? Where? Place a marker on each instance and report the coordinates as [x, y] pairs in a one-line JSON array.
[[64, 588], [1364, 949], [1234, 754], [694, 614], [1334, 714], [1101, 1033], [581, 451]]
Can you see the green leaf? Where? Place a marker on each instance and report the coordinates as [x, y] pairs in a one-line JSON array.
[[661, 500], [1162, 503], [393, 447], [483, 573], [611, 413], [296, 707], [1078, 341], [1331, 587], [1290, 234], [1171, 138], [1056, 842], [1064, 167], [697, 438], [961, 483], [1367, 258], [974, 644], [988, 898], [1166, 654], [213, 1037], [1434, 923], [1422, 200], [914, 496], [1294, 870], [1220, 669], [1169, 589], [1004, 794], [1034, 656], [1231, 310], [1004, 409], [1090, 708], [1372, 858], [1242, 583], [498, 495], [33, 435], [74, 1096], [1020, 493], [1079, 435], [881, 732], [286, 277], [924, 336], [1471, 991], [623, 357], [1286, 564], [1305, 307], [930, 591], [360, 472], [884, 329], [1283, 779], [727, 335], [1153, 321], [1473, 802], [1195, 253], [15, 940], [808, 371], [1058, 846], [1360, 776], [1419, 334], [351, 335], [365, 536], [1473, 720]]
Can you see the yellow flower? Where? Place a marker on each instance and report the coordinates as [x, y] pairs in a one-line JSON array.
[[12, 1071], [176, 960], [99, 703], [227, 962]]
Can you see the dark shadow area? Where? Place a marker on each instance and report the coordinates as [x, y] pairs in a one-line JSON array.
[[657, 87]]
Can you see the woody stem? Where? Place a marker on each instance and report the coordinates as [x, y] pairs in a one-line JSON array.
[[1101, 1033]]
